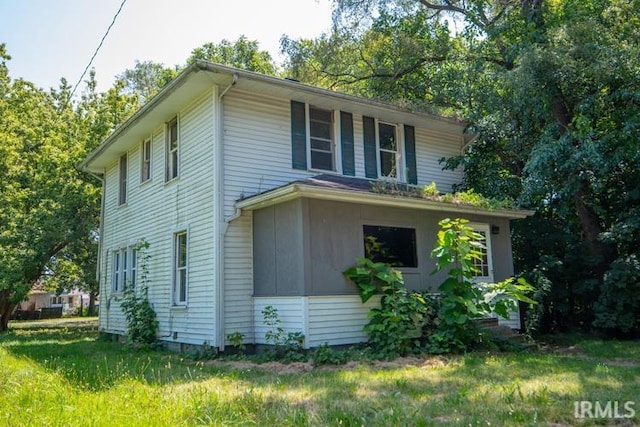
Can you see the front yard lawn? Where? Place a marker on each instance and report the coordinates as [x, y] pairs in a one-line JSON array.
[[61, 374]]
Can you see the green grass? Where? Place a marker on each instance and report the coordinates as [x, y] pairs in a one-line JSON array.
[[61, 374]]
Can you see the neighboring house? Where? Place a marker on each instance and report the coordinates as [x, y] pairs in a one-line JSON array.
[[254, 191], [65, 302]]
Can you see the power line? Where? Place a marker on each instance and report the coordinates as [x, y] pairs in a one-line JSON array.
[[98, 48]]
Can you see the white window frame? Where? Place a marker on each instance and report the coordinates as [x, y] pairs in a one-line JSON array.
[[335, 132], [178, 280], [484, 229], [172, 155], [145, 163], [133, 267], [123, 171], [116, 269], [123, 268], [398, 153]]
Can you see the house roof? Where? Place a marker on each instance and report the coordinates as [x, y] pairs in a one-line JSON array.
[[366, 191], [201, 76]]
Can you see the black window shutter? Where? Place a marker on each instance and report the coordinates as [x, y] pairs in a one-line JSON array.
[[346, 138], [298, 136], [370, 159], [410, 152]]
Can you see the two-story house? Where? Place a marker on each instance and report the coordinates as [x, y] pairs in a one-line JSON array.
[[254, 191]]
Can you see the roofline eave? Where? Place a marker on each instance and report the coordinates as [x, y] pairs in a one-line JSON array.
[[299, 190]]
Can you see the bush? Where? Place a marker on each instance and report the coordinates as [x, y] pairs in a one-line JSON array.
[[617, 311], [325, 355], [288, 346], [142, 324], [396, 328], [462, 299]]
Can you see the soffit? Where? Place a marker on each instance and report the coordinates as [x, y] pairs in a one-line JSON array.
[[341, 190]]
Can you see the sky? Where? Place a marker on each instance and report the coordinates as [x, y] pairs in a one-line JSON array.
[[51, 39]]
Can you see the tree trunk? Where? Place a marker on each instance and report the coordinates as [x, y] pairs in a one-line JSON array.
[[591, 228], [6, 308], [589, 220], [91, 310]]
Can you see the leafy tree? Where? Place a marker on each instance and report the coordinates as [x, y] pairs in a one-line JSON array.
[[146, 79], [551, 90], [48, 206], [243, 53], [75, 268]]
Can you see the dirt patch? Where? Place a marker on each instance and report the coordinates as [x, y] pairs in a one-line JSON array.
[[303, 367]]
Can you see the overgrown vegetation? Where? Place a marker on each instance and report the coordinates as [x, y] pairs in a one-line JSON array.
[[408, 322], [286, 345], [142, 324], [463, 299], [396, 327], [430, 192], [46, 363]]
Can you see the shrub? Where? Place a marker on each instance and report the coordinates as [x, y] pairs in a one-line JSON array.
[[142, 324], [617, 309], [396, 328], [325, 355], [237, 341], [288, 346], [463, 299]]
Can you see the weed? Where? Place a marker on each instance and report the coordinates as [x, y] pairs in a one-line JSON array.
[[62, 375]]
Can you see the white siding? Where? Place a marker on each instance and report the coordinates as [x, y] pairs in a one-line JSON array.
[[257, 138], [291, 312], [336, 320], [155, 210], [257, 151], [431, 146], [257, 133], [238, 277]]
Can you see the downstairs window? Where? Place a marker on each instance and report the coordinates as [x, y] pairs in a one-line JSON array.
[[395, 246]]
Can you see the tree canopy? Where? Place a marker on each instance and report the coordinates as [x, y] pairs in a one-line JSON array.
[[48, 206], [552, 90], [50, 210]]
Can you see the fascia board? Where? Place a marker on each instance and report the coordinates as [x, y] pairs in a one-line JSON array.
[[297, 190]]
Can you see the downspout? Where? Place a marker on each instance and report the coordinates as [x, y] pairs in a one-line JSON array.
[[221, 224]]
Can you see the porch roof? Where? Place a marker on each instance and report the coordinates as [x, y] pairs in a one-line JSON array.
[[365, 191]]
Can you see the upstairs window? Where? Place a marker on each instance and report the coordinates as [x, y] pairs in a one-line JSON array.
[[171, 170], [392, 245], [388, 150], [122, 180], [321, 140], [314, 139], [145, 158]]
